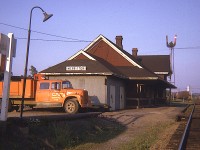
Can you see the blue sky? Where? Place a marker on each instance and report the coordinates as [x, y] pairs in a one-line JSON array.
[[142, 23]]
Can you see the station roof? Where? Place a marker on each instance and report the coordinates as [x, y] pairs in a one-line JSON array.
[[103, 57]]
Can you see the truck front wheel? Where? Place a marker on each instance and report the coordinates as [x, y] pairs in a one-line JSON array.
[[71, 106]]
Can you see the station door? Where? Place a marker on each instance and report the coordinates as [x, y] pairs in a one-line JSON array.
[[122, 97], [112, 97]]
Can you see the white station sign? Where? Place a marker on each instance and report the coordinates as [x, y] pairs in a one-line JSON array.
[[5, 43], [76, 68]]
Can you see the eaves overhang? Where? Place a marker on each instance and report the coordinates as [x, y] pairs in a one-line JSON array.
[[74, 73], [170, 85], [78, 73], [163, 73], [143, 78], [86, 73]]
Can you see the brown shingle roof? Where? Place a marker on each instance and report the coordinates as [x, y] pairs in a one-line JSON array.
[[92, 67], [156, 63], [136, 73], [97, 65], [101, 66]]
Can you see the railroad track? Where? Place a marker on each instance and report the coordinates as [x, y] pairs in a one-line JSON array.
[[187, 136], [191, 136]]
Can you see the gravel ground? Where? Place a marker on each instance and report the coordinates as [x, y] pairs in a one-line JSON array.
[[136, 121]]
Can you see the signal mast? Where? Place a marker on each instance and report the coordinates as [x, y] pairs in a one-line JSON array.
[[171, 46]]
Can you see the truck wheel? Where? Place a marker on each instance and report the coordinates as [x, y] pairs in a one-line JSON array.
[[71, 106]]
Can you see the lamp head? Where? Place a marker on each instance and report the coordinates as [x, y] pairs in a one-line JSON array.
[[46, 16]]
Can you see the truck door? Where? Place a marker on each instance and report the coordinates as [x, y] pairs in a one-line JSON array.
[[55, 92], [42, 94]]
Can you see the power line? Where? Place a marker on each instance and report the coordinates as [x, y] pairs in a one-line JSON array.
[[58, 36], [72, 39], [195, 47], [47, 40], [13, 26]]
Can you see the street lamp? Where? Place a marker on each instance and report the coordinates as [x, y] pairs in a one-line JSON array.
[[46, 17]]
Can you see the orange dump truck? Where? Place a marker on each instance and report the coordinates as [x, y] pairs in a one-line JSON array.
[[44, 93]]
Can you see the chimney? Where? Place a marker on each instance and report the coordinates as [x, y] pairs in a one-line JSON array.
[[119, 41], [134, 52]]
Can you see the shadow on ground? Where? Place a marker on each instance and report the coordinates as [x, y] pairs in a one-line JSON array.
[[35, 134]]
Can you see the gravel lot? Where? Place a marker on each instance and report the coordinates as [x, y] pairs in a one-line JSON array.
[[136, 121]]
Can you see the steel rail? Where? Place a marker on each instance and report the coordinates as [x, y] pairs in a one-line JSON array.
[[183, 139]]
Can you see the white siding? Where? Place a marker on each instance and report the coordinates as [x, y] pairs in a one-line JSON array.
[[95, 85]]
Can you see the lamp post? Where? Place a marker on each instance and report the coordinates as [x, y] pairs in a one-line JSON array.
[[46, 17]]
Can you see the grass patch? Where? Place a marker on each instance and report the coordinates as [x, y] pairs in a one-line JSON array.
[[60, 135], [145, 140]]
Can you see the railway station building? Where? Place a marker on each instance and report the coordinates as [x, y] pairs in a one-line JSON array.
[[115, 77]]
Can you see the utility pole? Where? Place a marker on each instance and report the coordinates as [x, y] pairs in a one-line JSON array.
[[171, 46]]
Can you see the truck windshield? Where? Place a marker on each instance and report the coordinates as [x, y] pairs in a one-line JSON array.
[[55, 85], [66, 85]]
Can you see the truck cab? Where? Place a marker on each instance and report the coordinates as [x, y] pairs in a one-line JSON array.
[[58, 93]]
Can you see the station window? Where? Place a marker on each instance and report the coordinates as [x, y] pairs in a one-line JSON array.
[[44, 85]]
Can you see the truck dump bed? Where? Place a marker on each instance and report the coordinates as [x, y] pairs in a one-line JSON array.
[[16, 88]]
